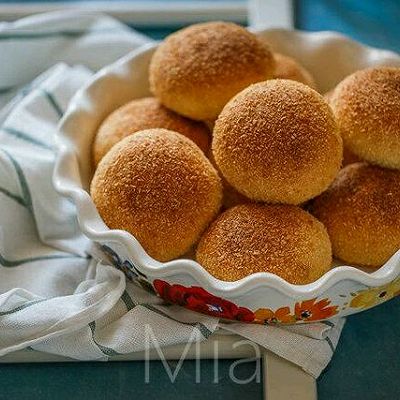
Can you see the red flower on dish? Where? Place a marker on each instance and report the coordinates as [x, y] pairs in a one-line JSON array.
[[310, 310], [198, 299]]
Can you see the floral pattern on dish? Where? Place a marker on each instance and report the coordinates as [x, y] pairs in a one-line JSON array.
[[198, 299], [373, 296], [127, 267], [314, 310], [280, 316], [304, 311]]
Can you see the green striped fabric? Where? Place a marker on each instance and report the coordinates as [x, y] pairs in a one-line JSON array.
[[43, 249]]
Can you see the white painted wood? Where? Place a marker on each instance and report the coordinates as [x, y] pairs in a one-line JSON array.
[[219, 345], [286, 381], [140, 13], [258, 13], [271, 14]]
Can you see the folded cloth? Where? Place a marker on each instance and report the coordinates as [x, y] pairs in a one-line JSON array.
[[55, 295]]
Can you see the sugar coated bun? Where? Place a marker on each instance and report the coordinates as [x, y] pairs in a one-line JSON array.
[[160, 187], [288, 68], [348, 156], [282, 239], [231, 197], [277, 141], [196, 70], [361, 211], [367, 108], [146, 113]]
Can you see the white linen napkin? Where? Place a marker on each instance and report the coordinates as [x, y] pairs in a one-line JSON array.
[[55, 296]]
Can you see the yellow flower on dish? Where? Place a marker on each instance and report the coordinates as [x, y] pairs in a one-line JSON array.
[[371, 297]]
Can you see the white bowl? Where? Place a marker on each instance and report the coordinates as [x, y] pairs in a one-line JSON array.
[[262, 297]]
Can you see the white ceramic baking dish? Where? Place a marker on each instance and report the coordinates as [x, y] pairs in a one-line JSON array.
[[262, 297]]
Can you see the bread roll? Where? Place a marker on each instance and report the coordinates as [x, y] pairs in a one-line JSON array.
[[288, 68], [196, 70], [277, 141], [281, 239], [361, 211], [367, 109], [141, 114], [160, 187]]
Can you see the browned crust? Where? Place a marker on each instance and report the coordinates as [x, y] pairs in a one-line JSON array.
[[160, 187], [367, 108], [288, 68], [231, 197], [196, 70], [361, 211], [348, 156], [145, 113], [277, 141], [281, 239]]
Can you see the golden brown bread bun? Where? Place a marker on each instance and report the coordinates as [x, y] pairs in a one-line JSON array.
[[288, 68], [196, 70], [146, 113], [367, 108], [282, 239], [231, 197], [361, 211], [277, 141], [348, 156], [160, 187]]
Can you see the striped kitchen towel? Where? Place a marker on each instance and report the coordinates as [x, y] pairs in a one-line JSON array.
[[55, 296]]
